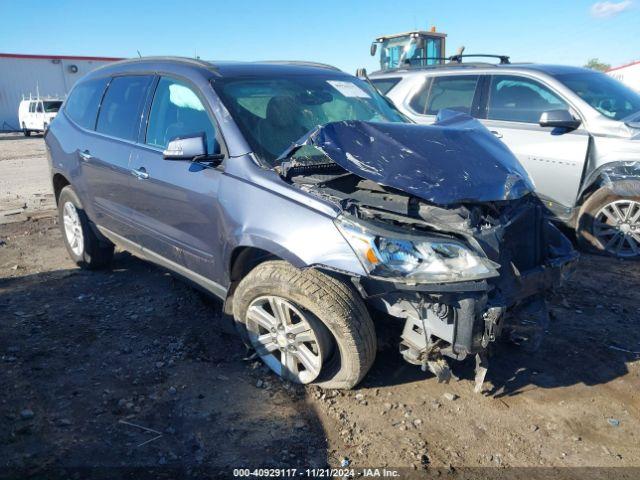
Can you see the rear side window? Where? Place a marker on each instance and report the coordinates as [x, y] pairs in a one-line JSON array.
[[121, 107], [384, 85], [450, 92], [82, 105], [519, 99], [39, 107], [178, 112], [32, 107]]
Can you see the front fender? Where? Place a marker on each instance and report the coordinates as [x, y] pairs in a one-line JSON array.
[[293, 231], [622, 178]]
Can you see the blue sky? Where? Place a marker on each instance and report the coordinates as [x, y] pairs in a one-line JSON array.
[[338, 32]]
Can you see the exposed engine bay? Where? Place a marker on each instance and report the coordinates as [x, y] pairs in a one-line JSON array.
[[519, 255]]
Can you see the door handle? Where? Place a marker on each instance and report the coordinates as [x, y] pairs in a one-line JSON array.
[[140, 173], [496, 133], [85, 155]]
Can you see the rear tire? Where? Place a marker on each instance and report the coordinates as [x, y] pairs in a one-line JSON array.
[[85, 248], [609, 224], [333, 309], [27, 133]]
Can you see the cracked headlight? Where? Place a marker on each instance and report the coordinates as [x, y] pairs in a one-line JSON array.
[[414, 259]]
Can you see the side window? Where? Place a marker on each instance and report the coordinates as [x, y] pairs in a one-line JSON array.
[[82, 105], [32, 107], [418, 102], [384, 85], [178, 112], [519, 99], [453, 92], [39, 108], [119, 114]]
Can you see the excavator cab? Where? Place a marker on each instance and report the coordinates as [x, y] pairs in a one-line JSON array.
[[417, 48]]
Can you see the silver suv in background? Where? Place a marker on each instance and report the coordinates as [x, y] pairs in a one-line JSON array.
[[576, 132]]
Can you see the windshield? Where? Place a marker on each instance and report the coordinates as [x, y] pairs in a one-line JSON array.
[[273, 113], [607, 95], [52, 107]]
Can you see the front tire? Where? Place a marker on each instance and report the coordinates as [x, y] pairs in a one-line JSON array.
[[609, 224], [84, 247], [287, 314]]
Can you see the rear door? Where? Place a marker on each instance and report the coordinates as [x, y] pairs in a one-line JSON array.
[[30, 121], [175, 203], [105, 160], [554, 158], [38, 117]]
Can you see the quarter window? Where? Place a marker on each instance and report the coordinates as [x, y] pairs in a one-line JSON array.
[[82, 105], [178, 112], [448, 92], [39, 107], [518, 99], [120, 110], [384, 85]]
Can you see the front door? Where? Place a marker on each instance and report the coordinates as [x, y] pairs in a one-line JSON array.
[[174, 202], [554, 158]]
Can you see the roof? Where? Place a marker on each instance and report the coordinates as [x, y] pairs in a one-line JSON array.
[[413, 32], [553, 70], [630, 64], [58, 57], [222, 69], [233, 69]]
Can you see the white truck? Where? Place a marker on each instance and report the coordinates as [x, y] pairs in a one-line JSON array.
[[35, 115]]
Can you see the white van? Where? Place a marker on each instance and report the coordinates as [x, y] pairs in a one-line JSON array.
[[35, 115]]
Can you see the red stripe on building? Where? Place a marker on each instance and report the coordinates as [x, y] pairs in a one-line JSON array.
[[59, 57], [624, 66]]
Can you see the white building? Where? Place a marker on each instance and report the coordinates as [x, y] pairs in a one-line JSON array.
[[628, 74], [49, 75]]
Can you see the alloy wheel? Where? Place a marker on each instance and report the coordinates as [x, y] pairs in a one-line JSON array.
[[73, 228], [291, 343], [617, 228]]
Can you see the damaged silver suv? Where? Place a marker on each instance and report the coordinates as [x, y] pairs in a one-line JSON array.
[[303, 199]]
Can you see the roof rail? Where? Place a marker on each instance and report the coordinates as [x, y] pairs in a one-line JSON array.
[[301, 63], [504, 59]]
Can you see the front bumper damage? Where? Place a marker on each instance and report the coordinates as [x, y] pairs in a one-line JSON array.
[[455, 181], [456, 320]]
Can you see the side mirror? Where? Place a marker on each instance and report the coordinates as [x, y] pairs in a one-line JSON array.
[[373, 49], [559, 119], [186, 148]]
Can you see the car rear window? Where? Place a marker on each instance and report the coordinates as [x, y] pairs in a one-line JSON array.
[[82, 105], [119, 114], [384, 85]]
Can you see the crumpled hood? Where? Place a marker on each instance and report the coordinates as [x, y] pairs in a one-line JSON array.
[[455, 160]]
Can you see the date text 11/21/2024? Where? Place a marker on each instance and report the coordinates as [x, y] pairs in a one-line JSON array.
[[315, 473]]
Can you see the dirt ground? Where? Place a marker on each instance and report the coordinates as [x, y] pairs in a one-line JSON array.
[[130, 367], [25, 188]]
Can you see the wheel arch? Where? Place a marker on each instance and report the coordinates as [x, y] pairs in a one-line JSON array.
[[620, 177], [242, 260], [59, 182]]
